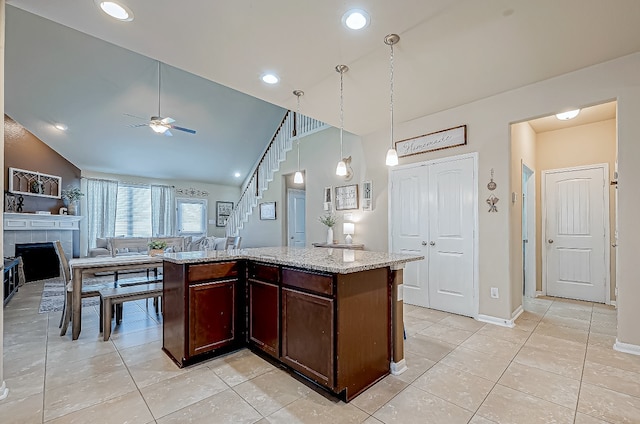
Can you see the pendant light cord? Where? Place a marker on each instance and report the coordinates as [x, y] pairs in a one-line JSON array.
[[391, 105], [159, 80], [298, 131], [341, 112]]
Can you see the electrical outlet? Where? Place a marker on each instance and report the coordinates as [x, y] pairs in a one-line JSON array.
[[494, 293]]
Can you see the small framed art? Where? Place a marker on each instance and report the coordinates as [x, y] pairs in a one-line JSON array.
[[223, 210], [268, 210]]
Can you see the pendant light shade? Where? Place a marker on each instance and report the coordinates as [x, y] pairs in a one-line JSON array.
[[392, 154], [297, 178], [341, 169]]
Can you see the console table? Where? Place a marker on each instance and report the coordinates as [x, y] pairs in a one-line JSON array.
[[340, 246], [10, 278]]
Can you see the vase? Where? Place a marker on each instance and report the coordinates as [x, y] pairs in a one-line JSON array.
[[329, 235], [71, 208]]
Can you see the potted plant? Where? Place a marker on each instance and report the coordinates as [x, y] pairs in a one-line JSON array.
[[70, 197], [156, 247], [329, 220]]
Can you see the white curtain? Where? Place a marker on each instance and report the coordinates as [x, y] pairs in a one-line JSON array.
[[102, 196], [163, 210]]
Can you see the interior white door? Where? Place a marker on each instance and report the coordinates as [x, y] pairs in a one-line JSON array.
[[409, 228], [296, 200], [451, 236], [576, 221]]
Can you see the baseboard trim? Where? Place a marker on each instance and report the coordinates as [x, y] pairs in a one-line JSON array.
[[539, 293], [398, 368], [613, 303], [626, 348], [514, 316], [495, 321], [4, 392]]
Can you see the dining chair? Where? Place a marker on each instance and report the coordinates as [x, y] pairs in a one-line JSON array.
[[65, 274], [233, 243]]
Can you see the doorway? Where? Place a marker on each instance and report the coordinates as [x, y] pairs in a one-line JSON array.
[[433, 213], [296, 211]]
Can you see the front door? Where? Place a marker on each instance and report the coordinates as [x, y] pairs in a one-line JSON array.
[[296, 217], [575, 240]]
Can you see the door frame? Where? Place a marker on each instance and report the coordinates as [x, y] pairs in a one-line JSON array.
[[607, 219], [290, 192], [476, 221], [532, 245]]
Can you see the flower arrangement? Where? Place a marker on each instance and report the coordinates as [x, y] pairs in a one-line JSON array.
[[329, 220], [157, 245], [72, 194]]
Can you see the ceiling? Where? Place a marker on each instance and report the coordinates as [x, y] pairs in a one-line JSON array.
[[588, 115], [451, 52]]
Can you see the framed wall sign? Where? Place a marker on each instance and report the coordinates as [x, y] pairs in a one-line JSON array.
[[444, 139], [327, 199], [223, 210], [268, 210], [347, 197]]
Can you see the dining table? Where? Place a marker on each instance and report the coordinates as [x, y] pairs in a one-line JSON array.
[[81, 267]]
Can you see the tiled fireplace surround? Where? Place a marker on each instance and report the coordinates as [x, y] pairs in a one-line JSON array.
[[33, 228]]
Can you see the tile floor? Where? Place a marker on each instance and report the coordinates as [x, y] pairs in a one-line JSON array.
[[556, 366]]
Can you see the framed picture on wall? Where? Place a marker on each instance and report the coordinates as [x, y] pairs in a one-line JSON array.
[[268, 210], [223, 210], [327, 199], [347, 197]]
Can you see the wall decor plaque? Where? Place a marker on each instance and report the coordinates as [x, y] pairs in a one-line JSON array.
[[347, 197], [439, 140]]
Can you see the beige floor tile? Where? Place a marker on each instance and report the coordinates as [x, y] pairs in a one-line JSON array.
[[25, 385], [476, 363], [567, 322], [62, 374], [563, 333], [568, 366], [458, 387], [554, 388], [180, 391], [609, 318], [477, 419], [514, 335], [532, 315], [129, 408], [505, 405], [527, 325], [16, 364], [613, 358], [463, 323], [73, 397], [428, 347], [414, 405], [154, 370], [317, 409], [372, 420], [608, 405], [553, 344], [137, 338], [222, 408], [492, 346], [240, 367], [615, 379], [609, 328], [571, 303], [136, 354], [601, 308], [581, 314], [72, 351], [416, 366], [271, 391], [25, 410], [602, 340], [382, 392], [587, 419], [429, 314], [446, 334], [413, 324]]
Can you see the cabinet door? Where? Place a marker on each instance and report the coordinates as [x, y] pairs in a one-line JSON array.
[[211, 315], [307, 335], [264, 316]]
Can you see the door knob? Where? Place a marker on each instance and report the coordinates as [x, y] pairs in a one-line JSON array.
[[550, 241], [424, 243], [432, 243]]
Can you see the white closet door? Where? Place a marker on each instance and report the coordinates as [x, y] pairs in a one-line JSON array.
[[451, 236]]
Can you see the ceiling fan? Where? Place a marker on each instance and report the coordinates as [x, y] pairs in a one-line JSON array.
[[159, 124]]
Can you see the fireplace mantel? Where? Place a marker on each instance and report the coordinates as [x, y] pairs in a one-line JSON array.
[[37, 222]]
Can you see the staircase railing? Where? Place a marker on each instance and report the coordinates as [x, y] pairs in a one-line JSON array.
[[275, 153]]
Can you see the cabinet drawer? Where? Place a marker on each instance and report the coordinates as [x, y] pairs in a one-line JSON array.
[[267, 273], [213, 271], [319, 283]]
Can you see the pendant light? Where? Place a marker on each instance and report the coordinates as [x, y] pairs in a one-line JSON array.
[[392, 154], [297, 178], [341, 169]]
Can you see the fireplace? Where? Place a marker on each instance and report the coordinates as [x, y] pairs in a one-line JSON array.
[[40, 260]]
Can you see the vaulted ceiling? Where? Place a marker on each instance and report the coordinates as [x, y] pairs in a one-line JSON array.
[[451, 52]]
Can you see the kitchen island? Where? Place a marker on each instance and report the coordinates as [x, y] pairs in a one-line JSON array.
[[332, 316]]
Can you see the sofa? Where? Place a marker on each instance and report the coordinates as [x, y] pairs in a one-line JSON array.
[[127, 246]]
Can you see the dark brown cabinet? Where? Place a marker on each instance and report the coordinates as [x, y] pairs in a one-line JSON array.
[[203, 309], [264, 307]]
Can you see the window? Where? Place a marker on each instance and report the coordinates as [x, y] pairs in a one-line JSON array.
[[133, 213], [192, 217]]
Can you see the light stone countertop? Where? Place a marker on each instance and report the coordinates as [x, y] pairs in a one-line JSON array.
[[338, 261]]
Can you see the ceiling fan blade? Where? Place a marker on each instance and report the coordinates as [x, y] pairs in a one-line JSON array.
[[183, 129], [138, 125], [134, 116], [167, 133], [167, 120]]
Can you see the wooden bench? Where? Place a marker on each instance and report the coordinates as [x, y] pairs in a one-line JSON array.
[[116, 296]]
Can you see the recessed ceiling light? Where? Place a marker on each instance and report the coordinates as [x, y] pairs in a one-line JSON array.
[[61, 127], [355, 19], [237, 175], [116, 10], [565, 116], [270, 78]]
